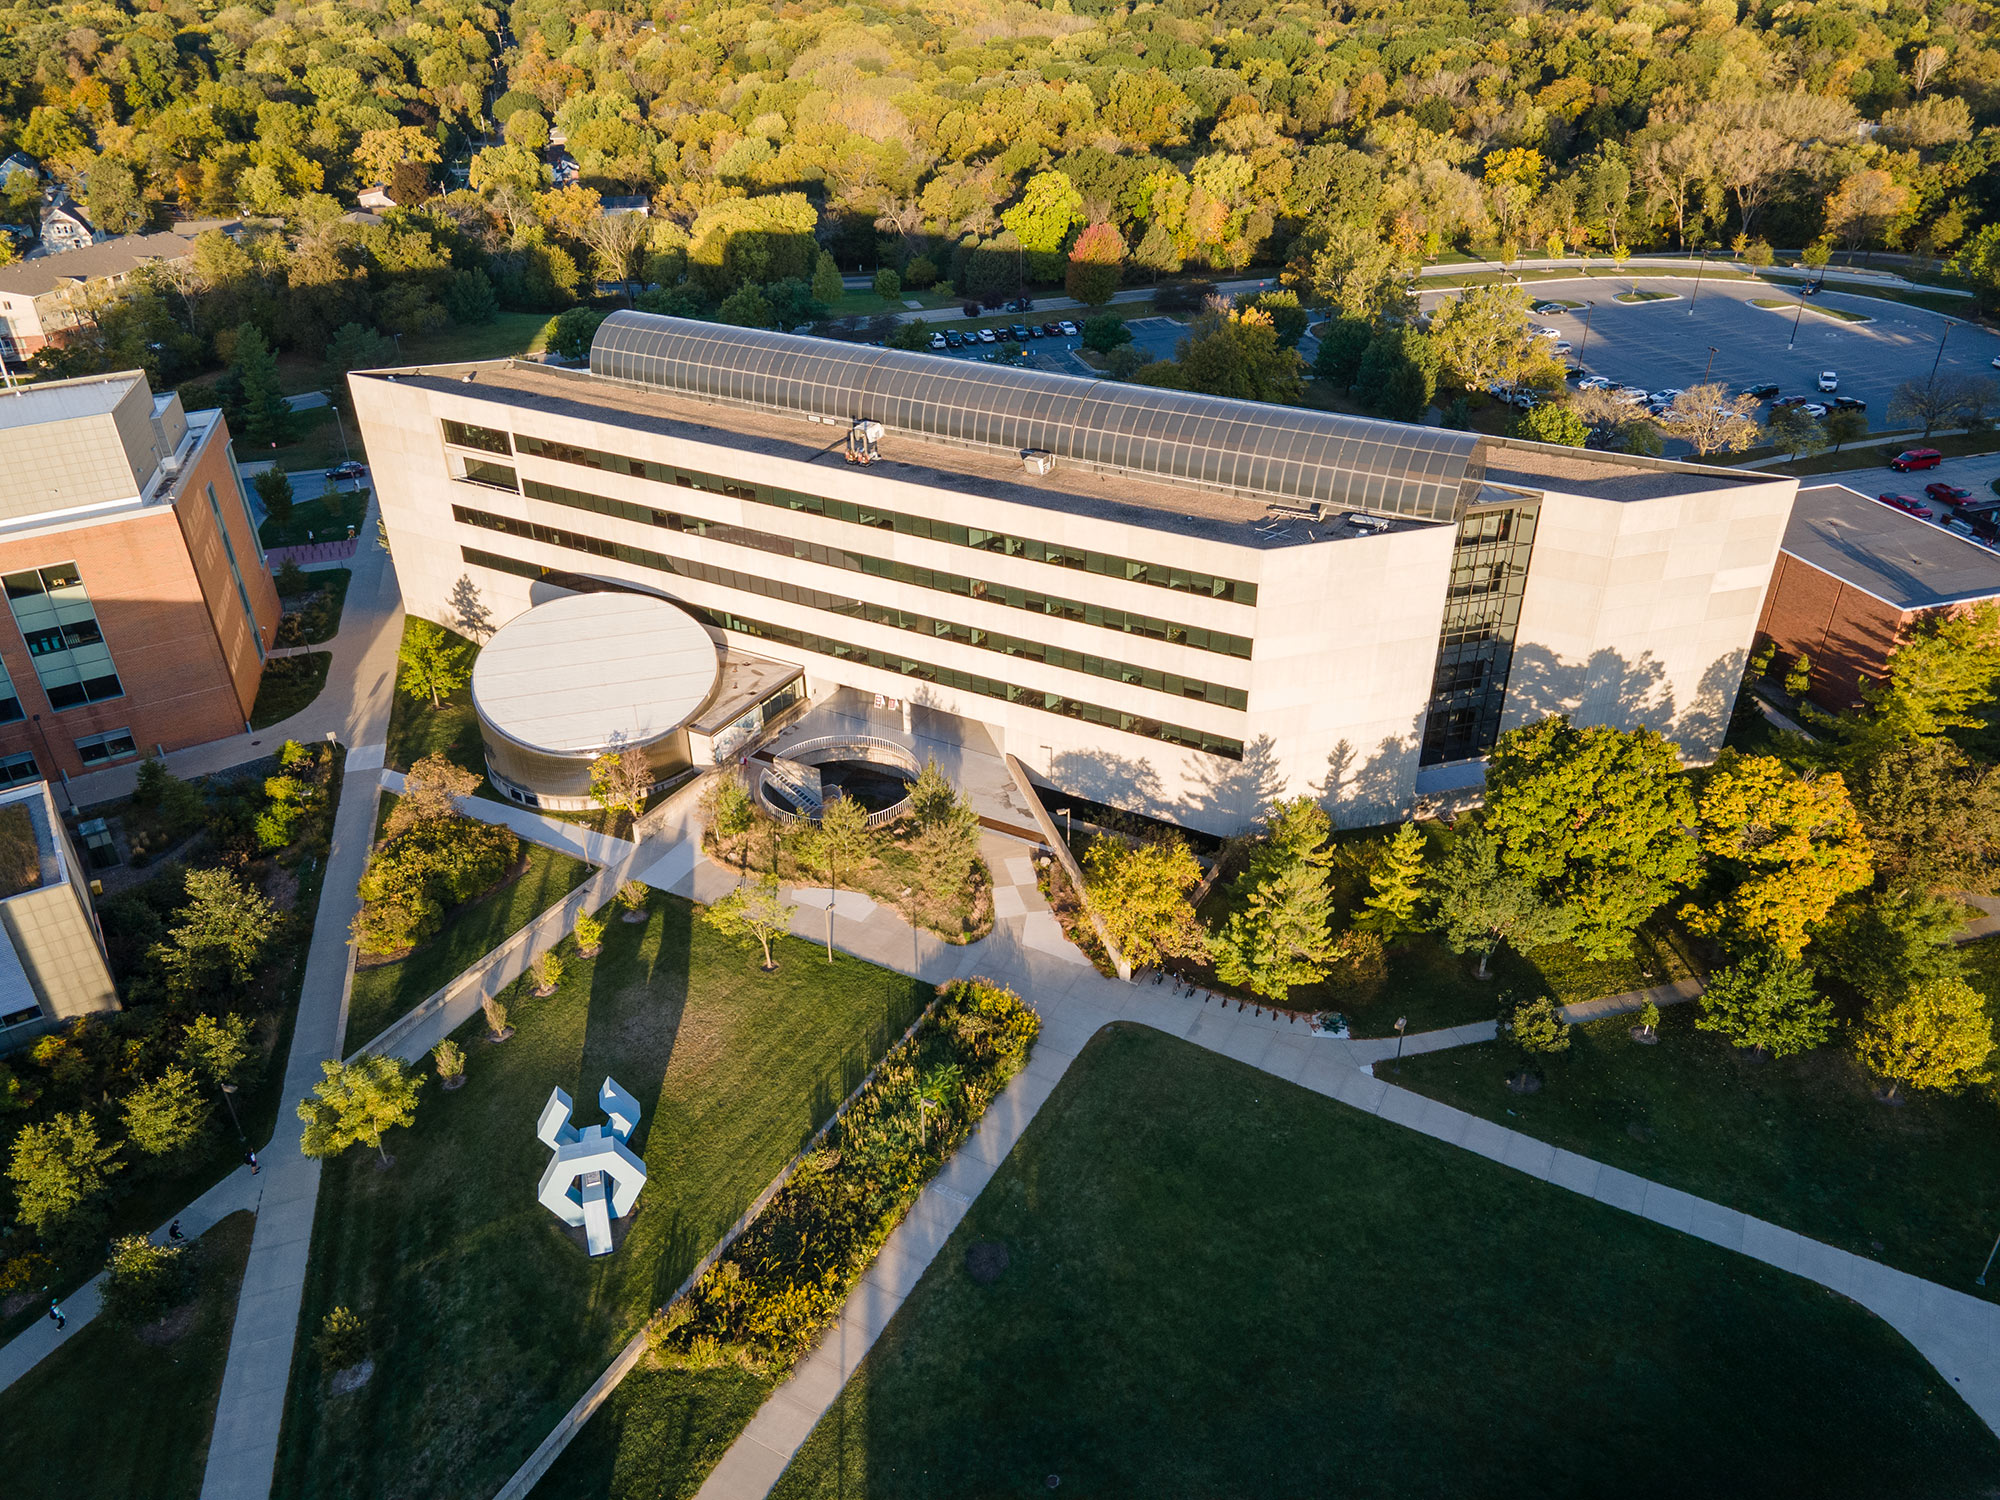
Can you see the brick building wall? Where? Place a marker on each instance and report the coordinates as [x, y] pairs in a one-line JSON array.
[[1847, 634], [167, 603]]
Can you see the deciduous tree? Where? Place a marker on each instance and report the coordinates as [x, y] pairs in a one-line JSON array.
[[1766, 1001], [1936, 1035], [755, 913], [1782, 848], [431, 790], [167, 1114], [1481, 904], [1140, 893], [433, 661], [356, 1102], [1710, 420], [58, 1167], [620, 781], [1096, 263], [1597, 818], [224, 931]]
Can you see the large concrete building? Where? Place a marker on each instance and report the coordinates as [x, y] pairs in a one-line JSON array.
[[1169, 602], [140, 600]]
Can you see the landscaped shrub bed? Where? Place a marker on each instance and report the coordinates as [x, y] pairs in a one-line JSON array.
[[432, 861], [765, 1301]]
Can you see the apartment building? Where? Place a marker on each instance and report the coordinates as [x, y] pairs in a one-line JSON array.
[[1169, 602], [139, 604]]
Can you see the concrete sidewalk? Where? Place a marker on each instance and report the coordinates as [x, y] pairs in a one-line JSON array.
[[354, 707], [238, 1191]]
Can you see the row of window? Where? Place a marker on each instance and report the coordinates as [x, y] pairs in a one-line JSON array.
[[879, 614], [59, 624], [1107, 564], [1476, 641], [1121, 620], [229, 551], [1055, 703]]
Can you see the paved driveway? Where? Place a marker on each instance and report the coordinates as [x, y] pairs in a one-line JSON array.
[[1657, 344]]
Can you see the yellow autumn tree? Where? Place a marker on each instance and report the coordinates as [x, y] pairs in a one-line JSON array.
[[1782, 848]]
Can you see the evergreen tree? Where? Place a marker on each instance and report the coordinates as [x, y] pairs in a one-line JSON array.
[[267, 420], [1396, 887], [1280, 932], [827, 286]]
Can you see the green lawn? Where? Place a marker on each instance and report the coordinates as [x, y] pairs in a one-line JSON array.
[[386, 991], [488, 1320], [318, 442], [416, 729], [329, 598], [289, 684], [110, 1413], [324, 519], [1638, 294], [1222, 1284], [1799, 1141]]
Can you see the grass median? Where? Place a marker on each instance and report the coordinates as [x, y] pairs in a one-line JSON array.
[[1800, 1141], [1217, 1283], [486, 1319]]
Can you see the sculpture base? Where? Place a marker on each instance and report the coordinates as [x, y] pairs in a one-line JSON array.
[[619, 1229]]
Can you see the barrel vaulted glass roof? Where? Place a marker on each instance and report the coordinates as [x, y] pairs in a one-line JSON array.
[[1286, 454]]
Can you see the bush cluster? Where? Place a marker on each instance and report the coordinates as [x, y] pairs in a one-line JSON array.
[[422, 872], [765, 1301]]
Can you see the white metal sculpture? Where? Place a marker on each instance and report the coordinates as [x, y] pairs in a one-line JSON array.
[[593, 1177]]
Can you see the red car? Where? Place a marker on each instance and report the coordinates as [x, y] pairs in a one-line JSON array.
[[1916, 458], [1908, 503], [1950, 494]]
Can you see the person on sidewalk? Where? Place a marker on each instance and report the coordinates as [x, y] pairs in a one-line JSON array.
[[250, 1161], [174, 1235], [56, 1314]]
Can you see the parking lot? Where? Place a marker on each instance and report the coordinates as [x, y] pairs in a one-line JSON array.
[[1154, 336], [1659, 344]]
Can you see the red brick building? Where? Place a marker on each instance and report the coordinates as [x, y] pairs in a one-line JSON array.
[[139, 605], [1852, 575]]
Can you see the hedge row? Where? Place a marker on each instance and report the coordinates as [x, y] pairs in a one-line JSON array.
[[766, 1300]]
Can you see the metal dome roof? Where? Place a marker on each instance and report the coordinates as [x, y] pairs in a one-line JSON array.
[[1288, 454]]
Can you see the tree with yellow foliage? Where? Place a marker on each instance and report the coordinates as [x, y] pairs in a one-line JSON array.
[[1781, 849]]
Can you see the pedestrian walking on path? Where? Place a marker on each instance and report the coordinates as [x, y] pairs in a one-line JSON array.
[[250, 1161], [56, 1314], [174, 1232]]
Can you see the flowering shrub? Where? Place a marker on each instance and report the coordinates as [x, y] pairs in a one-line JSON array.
[[765, 1301]]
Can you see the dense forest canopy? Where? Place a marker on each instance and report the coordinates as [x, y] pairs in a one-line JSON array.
[[961, 141]]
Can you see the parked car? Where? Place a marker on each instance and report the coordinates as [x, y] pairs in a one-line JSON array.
[[1562, 346], [954, 339], [1916, 458], [1068, 328], [1763, 392], [988, 336], [1848, 403], [1829, 381], [1036, 331], [937, 341], [1975, 529], [1020, 332], [1996, 362], [1664, 397], [1814, 410], [1785, 402], [1950, 494], [349, 470], [1909, 504], [1022, 304], [1594, 383], [1633, 395], [1053, 329], [1548, 333]]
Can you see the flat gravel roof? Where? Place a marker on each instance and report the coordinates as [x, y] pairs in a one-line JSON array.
[[1903, 561], [594, 672]]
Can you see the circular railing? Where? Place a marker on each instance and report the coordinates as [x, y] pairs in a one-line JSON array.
[[828, 748]]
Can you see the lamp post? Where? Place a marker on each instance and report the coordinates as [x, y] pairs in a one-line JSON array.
[[1700, 266], [229, 1098], [1589, 307], [1948, 326], [1800, 314], [1980, 1279], [1401, 1022], [1709, 366]]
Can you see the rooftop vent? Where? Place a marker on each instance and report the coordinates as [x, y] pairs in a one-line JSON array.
[[1038, 461], [864, 441]]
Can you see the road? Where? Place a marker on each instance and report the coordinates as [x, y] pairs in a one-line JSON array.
[[1657, 344]]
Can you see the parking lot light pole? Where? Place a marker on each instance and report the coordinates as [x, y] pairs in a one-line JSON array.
[[1709, 366], [1589, 307], [1948, 326], [1796, 316], [1700, 266]]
